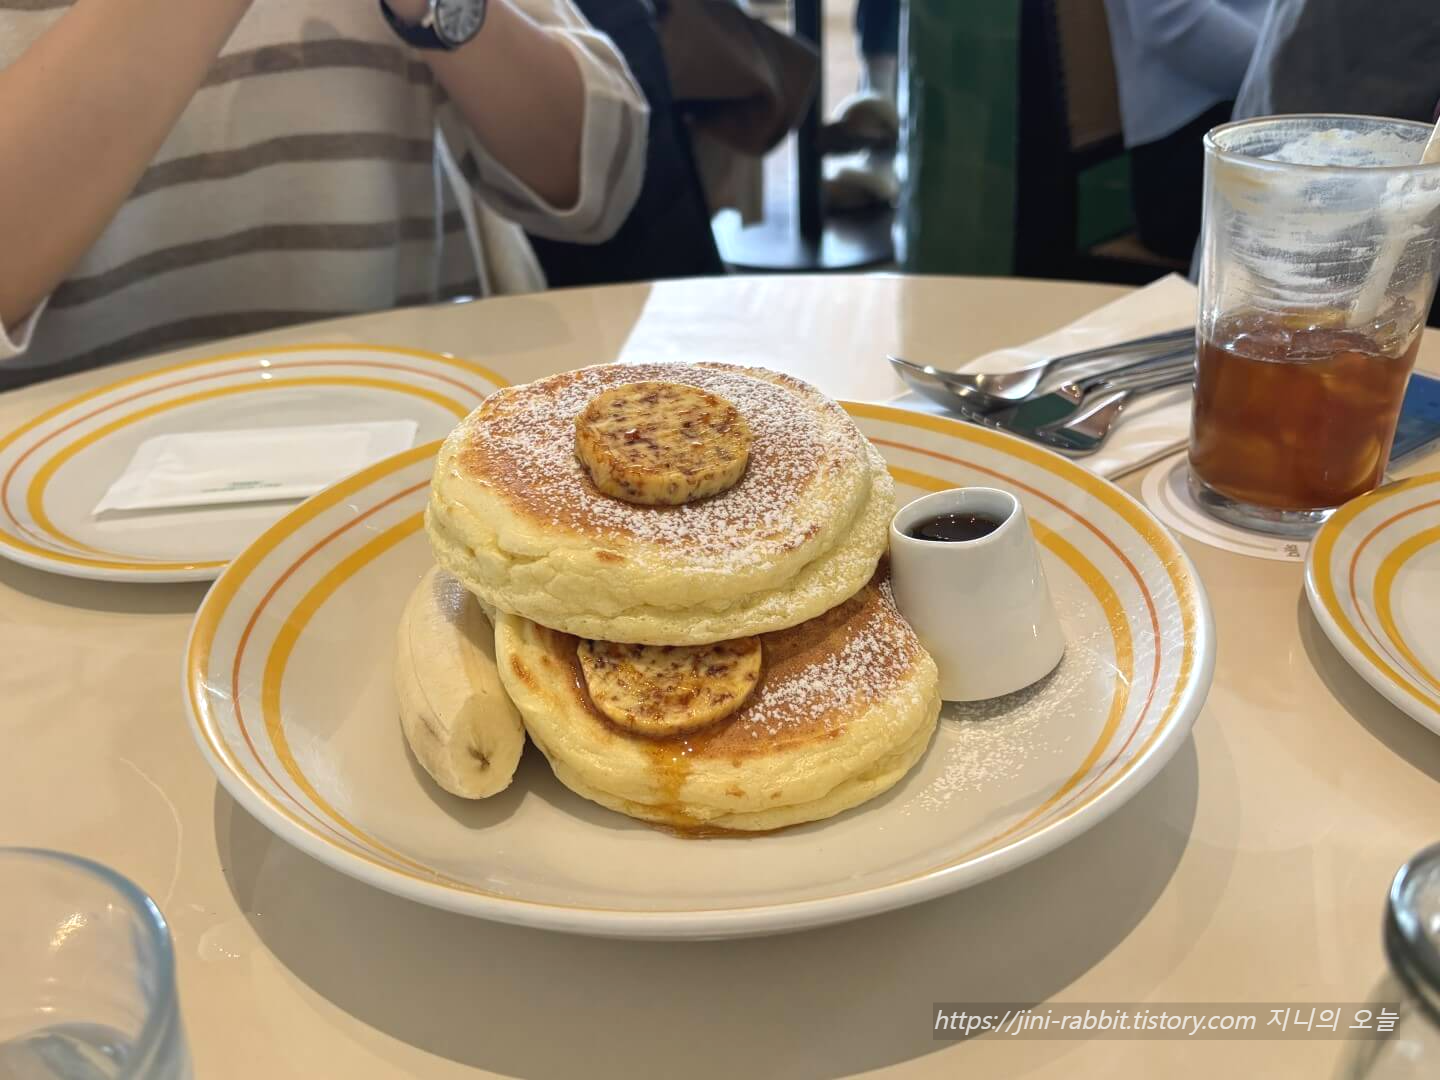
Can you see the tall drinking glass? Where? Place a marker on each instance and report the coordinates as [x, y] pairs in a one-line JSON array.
[[1319, 258], [87, 975]]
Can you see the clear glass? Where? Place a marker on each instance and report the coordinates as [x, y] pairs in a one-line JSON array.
[[1412, 939], [87, 975], [1319, 257]]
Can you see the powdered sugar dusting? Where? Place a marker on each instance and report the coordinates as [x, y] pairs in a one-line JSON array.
[[860, 669], [817, 677], [522, 442], [859, 653], [983, 744]]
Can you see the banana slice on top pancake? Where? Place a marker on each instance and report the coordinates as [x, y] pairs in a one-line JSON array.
[[516, 514], [662, 443]]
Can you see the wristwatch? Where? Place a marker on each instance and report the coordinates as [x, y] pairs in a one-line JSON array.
[[449, 24]]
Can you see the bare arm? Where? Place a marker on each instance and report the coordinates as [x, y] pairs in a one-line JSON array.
[[82, 114], [521, 93]]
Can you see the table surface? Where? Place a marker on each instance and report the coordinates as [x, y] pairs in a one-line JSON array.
[[1253, 868]]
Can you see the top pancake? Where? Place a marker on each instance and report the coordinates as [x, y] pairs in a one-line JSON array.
[[514, 515]]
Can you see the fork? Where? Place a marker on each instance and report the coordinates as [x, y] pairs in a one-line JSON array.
[[1087, 429], [1062, 402], [988, 391]]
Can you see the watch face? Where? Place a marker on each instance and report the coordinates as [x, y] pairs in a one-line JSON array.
[[457, 21]]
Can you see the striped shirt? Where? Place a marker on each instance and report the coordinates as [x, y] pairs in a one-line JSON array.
[[319, 171]]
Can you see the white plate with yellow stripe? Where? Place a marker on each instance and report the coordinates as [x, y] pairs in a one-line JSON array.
[[54, 469], [288, 684], [1373, 577]]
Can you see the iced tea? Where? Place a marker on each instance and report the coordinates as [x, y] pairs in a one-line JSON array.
[[1294, 415]]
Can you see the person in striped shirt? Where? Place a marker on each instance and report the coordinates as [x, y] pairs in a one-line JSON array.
[[174, 171]]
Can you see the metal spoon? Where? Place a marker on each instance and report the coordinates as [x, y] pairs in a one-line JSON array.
[[987, 391]]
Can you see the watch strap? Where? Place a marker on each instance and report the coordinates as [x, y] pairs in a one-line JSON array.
[[417, 34]]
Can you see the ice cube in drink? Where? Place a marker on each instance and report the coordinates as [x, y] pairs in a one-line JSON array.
[[1293, 412]]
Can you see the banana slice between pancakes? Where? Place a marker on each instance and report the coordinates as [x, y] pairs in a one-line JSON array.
[[663, 690]]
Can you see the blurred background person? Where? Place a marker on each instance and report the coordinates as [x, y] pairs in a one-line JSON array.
[[1347, 56], [667, 233], [1178, 67], [1351, 56], [877, 26], [174, 171], [867, 123]]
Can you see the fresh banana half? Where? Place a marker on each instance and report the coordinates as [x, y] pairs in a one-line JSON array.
[[454, 711], [662, 443]]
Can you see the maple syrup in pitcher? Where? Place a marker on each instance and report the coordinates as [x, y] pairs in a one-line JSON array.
[[955, 528], [1295, 415]]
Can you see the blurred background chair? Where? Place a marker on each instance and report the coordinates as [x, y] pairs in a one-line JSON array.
[[1068, 123]]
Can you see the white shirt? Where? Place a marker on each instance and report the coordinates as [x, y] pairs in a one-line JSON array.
[[319, 171], [1176, 58]]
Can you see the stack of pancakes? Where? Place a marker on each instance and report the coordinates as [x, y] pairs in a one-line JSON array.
[[684, 566]]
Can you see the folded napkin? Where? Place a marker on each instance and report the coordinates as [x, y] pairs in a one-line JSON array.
[[218, 468], [1153, 426]]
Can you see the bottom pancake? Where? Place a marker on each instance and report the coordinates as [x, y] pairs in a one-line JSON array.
[[845, 706], [884, 775]]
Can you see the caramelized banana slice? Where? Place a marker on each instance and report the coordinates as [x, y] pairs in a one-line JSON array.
[[661, 443], [661, 690]]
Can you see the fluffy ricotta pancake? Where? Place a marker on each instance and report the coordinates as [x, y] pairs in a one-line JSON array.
[[514, 515], [846, 704]]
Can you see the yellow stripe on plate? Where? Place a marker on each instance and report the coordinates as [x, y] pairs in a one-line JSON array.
[[222, 594], [1114, 609], [1322, 556], [279, 657], [35, 493], [1384, 586], [245, 354], [1161, 543]]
